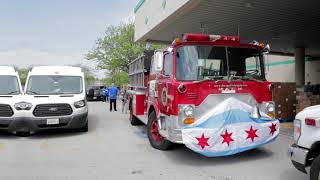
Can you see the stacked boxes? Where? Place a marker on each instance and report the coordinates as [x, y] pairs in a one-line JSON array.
[[291, 100], [284, 96], [306, 99]]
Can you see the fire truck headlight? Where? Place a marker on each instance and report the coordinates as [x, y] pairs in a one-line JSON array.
[[189, 111], [270, 107], [186, 114]]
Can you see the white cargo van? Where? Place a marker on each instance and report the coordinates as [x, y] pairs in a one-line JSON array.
[[11, 100], [58, 99]]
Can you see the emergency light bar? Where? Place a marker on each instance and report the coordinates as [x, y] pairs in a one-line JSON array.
[[205, 37]]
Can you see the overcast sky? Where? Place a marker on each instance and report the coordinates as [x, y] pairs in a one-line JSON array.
[[55, 32]]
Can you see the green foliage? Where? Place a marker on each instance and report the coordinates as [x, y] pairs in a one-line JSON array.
[[23, 73], [119, 78], [89, 77], [116, 50]]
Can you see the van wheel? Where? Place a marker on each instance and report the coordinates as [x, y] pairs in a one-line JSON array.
[[315, 169], [84, 128], [134, 120], [155, 139]]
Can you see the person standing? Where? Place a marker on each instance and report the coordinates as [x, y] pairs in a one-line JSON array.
[[113, 94], [105, 94], [124, 100]]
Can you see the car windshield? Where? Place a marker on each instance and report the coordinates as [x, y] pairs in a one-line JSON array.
[[9, 85], [48, 85], [196, 63]]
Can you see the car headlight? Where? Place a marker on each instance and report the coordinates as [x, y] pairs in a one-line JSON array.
[[23, 106], [189, 111], [297, 130], [80, 104]]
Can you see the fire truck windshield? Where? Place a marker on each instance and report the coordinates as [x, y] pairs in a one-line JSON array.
[[196, 63]]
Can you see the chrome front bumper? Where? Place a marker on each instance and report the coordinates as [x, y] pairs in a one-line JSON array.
[[173, 135], [298, 157], [170, 128]]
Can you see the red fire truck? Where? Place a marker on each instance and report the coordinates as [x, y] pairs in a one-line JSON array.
[[208, 92]]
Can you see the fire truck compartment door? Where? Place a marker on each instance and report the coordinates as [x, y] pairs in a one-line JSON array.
[[164, 90]]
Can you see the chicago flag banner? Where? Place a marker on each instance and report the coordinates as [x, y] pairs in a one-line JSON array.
[[228, 129]]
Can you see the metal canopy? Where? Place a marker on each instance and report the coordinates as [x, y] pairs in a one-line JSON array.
[[284, 24]]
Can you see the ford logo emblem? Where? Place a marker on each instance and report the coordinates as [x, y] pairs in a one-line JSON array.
[[53, 109]]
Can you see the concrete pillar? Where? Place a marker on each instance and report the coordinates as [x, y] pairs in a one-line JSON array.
[[300, 66]]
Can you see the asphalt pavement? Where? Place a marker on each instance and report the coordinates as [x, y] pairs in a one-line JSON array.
[[113, 149]]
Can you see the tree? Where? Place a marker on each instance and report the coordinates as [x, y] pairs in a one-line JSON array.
[[116, 50], [89, 77], [23, 73]]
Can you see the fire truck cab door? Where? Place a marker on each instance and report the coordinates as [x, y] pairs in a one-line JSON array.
[[164, 84]]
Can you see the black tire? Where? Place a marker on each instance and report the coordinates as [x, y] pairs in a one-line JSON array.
[[85, 128], [163, 144], [134, 120], [315, 169]]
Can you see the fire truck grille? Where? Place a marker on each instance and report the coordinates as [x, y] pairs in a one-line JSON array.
[[45, 110], [5, 110], [214, 100]]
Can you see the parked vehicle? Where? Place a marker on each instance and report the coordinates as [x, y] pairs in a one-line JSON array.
[[57, 99], [305, 152], [94, 93], [11, 100], [208, 92]]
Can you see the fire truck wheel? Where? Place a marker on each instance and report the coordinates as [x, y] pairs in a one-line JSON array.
[[155, 139], [134, 120], [315, 169]]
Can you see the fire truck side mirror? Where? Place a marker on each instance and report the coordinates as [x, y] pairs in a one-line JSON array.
[[158, 61], [266, 49]]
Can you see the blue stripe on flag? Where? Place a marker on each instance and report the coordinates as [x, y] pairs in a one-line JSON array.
[[229, 117]]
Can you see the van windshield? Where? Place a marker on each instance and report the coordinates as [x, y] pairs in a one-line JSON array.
[[196, 63], [9, 85], [50, 85]]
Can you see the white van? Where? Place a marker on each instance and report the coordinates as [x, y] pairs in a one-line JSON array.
[[11, 100], [58, 99]]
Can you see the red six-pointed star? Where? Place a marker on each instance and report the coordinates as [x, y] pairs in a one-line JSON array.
[[273, 128], [227, 138], [203, 141], [252, 133]]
